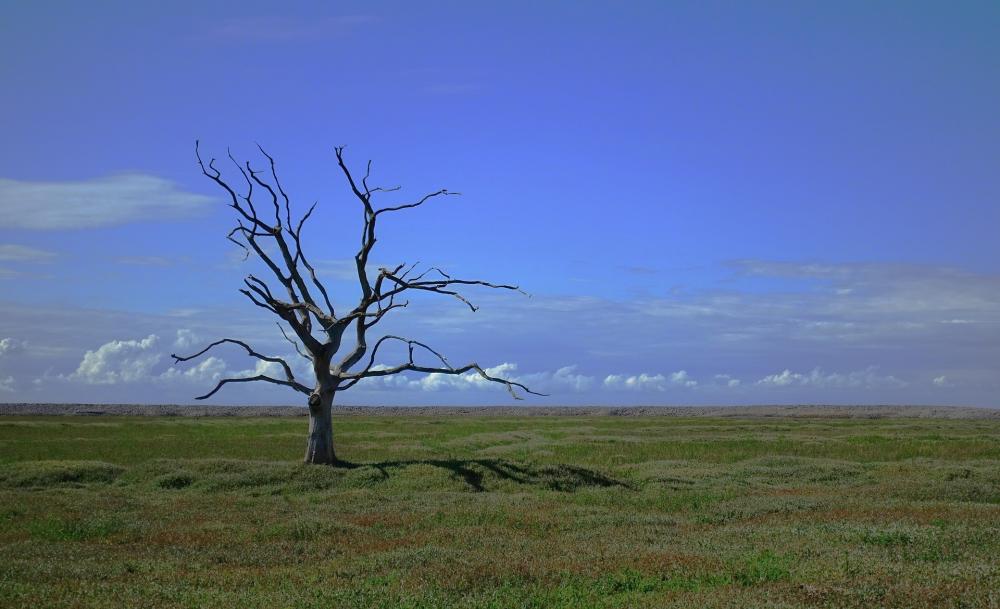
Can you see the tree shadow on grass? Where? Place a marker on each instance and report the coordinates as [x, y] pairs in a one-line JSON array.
[[478, 473]]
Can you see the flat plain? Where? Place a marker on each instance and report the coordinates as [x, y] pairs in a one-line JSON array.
[[501, 511]]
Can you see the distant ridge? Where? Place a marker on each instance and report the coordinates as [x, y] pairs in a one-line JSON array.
[[819, 411]]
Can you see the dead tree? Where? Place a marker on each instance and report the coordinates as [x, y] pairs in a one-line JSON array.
[[305, 306]]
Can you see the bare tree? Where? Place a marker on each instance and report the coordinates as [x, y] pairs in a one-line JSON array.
[[305, 305]]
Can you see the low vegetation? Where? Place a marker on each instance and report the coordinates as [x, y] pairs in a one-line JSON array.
[[484, 512]]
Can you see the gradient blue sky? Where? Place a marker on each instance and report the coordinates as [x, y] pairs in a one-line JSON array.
[[710, 202]]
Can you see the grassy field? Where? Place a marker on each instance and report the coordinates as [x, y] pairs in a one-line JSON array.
[[500, 512]]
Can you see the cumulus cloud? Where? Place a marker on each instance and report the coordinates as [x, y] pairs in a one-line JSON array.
[[470, 380], [185, 339], [10, 346], [727, 380], [132, 361], [119, 361], [21, 253], [649, 382], [261, 367], [563, 380], [209, 369], [867, 378], [941, 381], [681, 378], [98, 202], [782, 379], [638, 382]]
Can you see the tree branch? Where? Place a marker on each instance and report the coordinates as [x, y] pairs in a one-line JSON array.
[[277, 360], [291, 340], [439, 286], [443, 191], [411, 366], [260, 377]]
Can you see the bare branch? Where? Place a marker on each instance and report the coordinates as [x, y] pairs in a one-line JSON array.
[[248, 198], [277, 360], [382, 189], [260, 377], [274, 196], [443, 191], [277, 182], [407, 271], [291, 340], [410, 366], [260, 304], [364, 180], [339, 151], [246, 251], [251, 237], [367, 232], [216, 176], [377, 317], [297, 235], [440, 286]]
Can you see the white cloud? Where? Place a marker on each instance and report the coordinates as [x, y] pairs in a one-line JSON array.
[[186, 339], [941, 381], [727, 380], [638, 382], [209, 369], [564, 379], [867, 378], [10, 252], [132, 361], [272, 369], [470, 380], [7, 384], [10, 346], [782, 379], [649, 382], [94, 203], [681, 378], [119, 361]]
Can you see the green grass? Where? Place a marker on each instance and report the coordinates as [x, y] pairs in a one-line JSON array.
[[482, 512]]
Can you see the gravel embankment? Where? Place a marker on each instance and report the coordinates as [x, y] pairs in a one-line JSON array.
[[174, 410]]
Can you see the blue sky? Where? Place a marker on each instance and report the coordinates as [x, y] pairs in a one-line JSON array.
[[709, 202]]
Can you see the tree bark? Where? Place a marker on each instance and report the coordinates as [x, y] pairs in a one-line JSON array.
[[319, 449]]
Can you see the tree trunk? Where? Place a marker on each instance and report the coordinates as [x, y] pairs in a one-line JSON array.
[[319, 449]]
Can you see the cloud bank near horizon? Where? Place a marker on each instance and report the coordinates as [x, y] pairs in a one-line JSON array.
[[835, 333]]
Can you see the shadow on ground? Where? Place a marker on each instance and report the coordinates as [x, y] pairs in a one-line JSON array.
[[483, 474], [270, 477]]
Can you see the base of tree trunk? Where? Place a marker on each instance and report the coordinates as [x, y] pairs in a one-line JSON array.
[[319, 449]]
